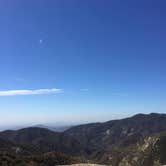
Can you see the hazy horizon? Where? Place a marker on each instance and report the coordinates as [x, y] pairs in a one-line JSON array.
[[73, 62], [55, 124]]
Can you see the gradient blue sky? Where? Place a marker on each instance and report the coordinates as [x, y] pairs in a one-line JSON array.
[[108, 57]]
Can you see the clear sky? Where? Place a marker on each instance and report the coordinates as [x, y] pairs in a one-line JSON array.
[[74, 61]]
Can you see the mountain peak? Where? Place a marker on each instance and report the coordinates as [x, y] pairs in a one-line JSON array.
[[141, 115]]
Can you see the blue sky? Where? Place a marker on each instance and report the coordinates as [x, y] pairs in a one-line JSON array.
[[74, 61]]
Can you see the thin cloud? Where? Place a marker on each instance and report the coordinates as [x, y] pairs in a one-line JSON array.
[[84, 90], [119, 94], [20, 79], [30, 92]]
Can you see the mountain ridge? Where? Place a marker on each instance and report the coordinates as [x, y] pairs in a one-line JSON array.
[[115, 142]]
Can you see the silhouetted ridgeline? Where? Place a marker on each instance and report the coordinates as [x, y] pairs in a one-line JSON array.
[[136, 141]]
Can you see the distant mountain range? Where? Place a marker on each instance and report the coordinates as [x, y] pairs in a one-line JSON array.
[[136, 141], [54, 128]]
